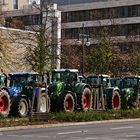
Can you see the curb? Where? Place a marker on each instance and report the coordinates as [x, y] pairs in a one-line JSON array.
[[64, 124]]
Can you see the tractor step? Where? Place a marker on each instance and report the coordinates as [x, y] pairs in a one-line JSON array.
[[39, 116]]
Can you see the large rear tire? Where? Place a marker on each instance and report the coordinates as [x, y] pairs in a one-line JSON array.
[[85, 99], [4, 103], [45, 103], [114, 102], [66, 102]]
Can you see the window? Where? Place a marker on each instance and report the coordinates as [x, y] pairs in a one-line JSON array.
[[15, 4], [2, 2]]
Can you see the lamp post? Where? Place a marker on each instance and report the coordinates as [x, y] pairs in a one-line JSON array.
[[84, 40]]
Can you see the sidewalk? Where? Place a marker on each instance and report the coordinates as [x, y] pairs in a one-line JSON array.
[[64, 124]]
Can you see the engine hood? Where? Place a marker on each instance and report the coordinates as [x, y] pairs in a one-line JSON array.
[[15, 90]]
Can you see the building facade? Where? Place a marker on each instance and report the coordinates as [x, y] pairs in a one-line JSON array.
[[17, 4], [121, 18], [31, 17], [121, 15]]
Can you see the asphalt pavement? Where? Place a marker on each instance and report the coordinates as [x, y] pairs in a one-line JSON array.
[[101, 130]]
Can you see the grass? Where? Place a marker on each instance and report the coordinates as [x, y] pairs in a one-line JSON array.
[[59, 117]]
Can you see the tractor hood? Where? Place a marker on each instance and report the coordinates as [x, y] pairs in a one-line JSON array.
[[15, 90], [128, 91]]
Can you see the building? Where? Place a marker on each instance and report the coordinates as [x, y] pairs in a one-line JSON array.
[[31, 16], [121, 18], [124, 15]]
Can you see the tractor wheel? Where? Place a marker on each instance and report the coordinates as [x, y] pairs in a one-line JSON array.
[[22, 107], [115, 99], [85, 99], [4, 103], [66, 102], [45, 103]]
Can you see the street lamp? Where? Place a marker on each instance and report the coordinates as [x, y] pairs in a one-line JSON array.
[[83, 40]]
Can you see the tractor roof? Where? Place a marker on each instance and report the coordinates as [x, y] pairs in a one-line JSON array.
[[66, 70], [133, 76], [23, 73], [100, 75], [1, 74]]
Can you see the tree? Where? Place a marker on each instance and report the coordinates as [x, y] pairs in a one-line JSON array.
[[136, 60], [101, 57], [41, 56], [71, 56]]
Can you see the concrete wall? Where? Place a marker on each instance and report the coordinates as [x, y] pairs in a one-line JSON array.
[[16, 42]]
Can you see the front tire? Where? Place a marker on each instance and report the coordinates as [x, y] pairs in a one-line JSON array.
[[22, 107], [45, 103]]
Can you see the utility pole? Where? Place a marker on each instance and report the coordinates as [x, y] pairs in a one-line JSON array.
[[84, 40]]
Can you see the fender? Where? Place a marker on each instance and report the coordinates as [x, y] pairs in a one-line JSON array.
[[79, 87], [15, 99], [5, 88]]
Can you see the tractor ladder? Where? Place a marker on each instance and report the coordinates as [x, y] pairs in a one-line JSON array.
[[98, 98]]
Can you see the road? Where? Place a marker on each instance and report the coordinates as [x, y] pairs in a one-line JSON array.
[[125, 130]]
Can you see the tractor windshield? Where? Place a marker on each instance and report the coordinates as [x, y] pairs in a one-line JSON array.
[[116, 82], [130, 82], [93, 80], [17, 80], [22, 80], [64, 76]]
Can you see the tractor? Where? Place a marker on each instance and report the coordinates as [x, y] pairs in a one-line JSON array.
[[67, 92], [4, 96], [111, 94], [130, 91], [23, 87]]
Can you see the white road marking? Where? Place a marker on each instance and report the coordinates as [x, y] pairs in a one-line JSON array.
[[1, 134], [76, 138], [43, 136], [129, 136], [70, 132], [118, 128], [13, 135], [91, 138], [27, 135]]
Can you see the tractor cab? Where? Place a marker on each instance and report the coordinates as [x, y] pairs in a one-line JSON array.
[[64, 75], [98, 79], [64, 78], [21, 81], [129, 90]]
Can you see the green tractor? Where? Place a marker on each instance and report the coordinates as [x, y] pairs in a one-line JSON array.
[[4, 96], [111, 94], [67, 92], [130, 91]]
